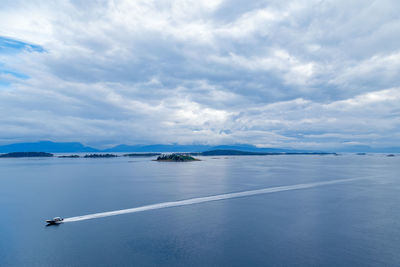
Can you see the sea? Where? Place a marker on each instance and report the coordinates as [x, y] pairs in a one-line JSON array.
[[280, 210]]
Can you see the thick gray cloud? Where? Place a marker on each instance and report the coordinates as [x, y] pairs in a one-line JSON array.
[[305, 74]]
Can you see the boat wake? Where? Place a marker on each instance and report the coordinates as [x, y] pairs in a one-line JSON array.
[[192, 201]]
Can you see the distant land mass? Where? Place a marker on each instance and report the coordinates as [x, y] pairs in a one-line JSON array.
[[230, 152], [368, 149], [158, 148], [47, 146], [76, 147], [26, 155], [196, 148]]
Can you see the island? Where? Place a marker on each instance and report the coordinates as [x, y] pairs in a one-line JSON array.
[[176, 158], [100, 156], [69, 156], [26, 155]]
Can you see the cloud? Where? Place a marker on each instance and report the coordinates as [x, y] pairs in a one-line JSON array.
[[271, 73]]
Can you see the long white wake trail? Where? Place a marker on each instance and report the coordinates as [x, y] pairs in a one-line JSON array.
[[207, 199]]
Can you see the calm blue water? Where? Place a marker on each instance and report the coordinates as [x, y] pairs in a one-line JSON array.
[[349, 224]]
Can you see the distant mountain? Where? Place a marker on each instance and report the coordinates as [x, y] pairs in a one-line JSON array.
[[251, 148], [198, 148], [47, 146], [158, 148], [75, 147]]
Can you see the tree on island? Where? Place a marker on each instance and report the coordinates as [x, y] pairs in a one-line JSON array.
[[100, 156], [176, 158], [26, 155]]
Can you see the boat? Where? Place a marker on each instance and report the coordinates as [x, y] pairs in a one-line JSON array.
[[55, 220]]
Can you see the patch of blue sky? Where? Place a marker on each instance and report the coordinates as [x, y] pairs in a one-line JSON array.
[[8, 45], [4, 84], [4, 72], [12, 46], [14, 73]]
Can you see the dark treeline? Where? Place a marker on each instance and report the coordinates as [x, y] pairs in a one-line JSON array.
[[176, 158], [100, 156], [26, 154]]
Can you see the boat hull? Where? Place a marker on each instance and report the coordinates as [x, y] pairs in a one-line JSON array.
[[52, 222]]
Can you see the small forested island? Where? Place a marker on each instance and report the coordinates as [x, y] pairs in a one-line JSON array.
[[100, 156], [390, 155], [26, 155], [176, 158], [69, 156]]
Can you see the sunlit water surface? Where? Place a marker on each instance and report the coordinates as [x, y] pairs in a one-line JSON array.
[[356, 223]]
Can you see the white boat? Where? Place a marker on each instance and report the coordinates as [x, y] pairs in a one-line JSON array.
[[56, 220]]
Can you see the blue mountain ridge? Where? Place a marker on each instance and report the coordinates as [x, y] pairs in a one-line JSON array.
[[47, 146], [71, 147], [195, 148]]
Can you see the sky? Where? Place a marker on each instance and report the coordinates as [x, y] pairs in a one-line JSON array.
[[301, 74]]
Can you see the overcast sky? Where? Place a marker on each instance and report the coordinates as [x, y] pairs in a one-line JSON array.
[[300, 74]]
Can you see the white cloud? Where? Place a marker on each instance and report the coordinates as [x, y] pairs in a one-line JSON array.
[[302, 74]]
